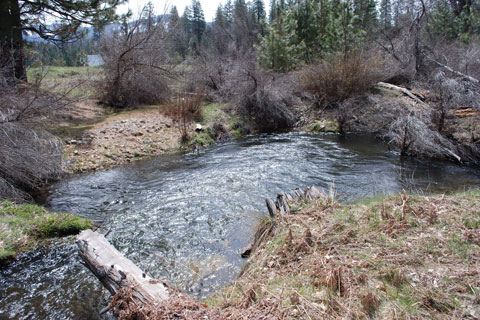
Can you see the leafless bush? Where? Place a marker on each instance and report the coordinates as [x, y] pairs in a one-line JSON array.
[[454, 93], [412, 134], [265, 103], [28, 159], [338, 78], [136, 66], [185, 108], [260, 98], [215, 75], [29, 156]]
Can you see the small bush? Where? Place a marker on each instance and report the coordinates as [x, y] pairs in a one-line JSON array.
[[338, 78], [266, 112], [185, 108]]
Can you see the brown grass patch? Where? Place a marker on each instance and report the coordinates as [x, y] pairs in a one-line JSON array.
[[404, 256]]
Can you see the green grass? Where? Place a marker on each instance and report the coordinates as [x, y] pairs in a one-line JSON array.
[[24, 227], [73, 81], [212, 112]]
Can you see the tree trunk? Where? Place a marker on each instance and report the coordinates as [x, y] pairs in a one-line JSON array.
[[12, 56], [17, 42], [6, 63]]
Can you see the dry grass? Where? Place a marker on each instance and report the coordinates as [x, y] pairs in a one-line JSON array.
[[338, 78], [402, 257], [185, 108]]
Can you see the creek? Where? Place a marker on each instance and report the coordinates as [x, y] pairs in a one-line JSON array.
[[186, 218]]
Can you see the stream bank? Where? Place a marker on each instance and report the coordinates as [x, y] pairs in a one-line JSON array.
[[398, 256], [186, 218]]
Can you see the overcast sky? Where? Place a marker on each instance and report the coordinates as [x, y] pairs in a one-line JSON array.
[[209, 6]]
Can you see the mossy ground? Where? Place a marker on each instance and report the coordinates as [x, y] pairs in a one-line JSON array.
[[24, 227], [399, 257]]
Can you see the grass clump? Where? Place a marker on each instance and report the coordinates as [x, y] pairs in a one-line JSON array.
[[24, 227], [400, 256]]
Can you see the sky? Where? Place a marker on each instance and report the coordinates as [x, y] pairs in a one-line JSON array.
[[161, 6], [209, 6]]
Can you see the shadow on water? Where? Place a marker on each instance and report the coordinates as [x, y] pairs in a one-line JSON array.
[[186, 218]]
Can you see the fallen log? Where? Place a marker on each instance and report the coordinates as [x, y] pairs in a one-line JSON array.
[[402, 90], [281, 206], [455, 72], [117, 272]]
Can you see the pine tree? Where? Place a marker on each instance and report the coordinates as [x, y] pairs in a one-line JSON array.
[[198, 21], [17, 16], [386, 14], [187, 22], [273, 11], [228, 11], [259, 10], [366, 13], [281, 49], [176, 37]]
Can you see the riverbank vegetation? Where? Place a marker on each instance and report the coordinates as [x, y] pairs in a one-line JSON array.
[[25, 227], [402, 256], [406, 72]]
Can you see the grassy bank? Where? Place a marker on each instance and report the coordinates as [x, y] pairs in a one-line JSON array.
[[398, 257], [24, 227]]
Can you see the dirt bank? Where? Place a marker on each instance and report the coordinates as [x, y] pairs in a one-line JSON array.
[[121, 138]]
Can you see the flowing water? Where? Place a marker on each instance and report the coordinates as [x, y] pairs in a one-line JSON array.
[[186, 218]]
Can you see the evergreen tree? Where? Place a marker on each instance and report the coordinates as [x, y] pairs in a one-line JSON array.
[[259, 10], [187, 23], [307, 30], [280, 49], [452, 21], [366, 13], [17, 16], [228, 11], [386, 14], [176, 37], [148, 16], [198, 21], [273, 11], [220, 31]]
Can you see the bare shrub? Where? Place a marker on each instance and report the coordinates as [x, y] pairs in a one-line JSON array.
[[338, 78], [29, 157], [454, 93], [185, 108], [412, 134], [370, 302], [265, 102], [136, 65]]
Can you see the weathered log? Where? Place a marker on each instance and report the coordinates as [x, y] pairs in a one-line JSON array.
[[282, 204], [455, 72], [271, 207], [117, 272], [402, 90]]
